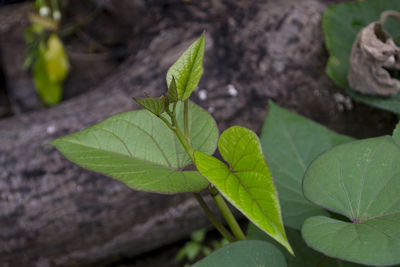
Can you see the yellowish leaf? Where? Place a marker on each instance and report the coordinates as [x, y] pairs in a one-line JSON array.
[[57, 65]]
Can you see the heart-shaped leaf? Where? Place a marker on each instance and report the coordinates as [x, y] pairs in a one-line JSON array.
[[138, 149], [246, 253], [360, 180], [341, 25], [187, 70], [290, 142], [305, 256], [247, 182]]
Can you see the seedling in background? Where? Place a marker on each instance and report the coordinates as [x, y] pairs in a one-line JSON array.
[[195, 247], [45, 51]]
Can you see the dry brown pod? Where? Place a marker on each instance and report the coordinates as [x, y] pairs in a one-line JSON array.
[[374, 57]]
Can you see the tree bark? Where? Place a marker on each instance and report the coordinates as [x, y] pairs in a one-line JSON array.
[[53, 213]]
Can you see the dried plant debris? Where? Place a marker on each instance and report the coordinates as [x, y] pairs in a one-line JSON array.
[[375, 60]]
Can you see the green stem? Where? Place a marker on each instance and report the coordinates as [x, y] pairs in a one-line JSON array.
[[174, 127], [186, 118], [226, 212], [190, 151], [225, 233], [166, 122], [174, 108], [221, 204], [188, 146]]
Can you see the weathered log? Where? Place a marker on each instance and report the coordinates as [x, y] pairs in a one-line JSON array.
[[53, 213]]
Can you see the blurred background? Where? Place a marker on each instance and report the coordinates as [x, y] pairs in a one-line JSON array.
[[65, 65]]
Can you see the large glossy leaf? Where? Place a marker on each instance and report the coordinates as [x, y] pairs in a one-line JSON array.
[[360, 180], [305, 256], [138, 149], [247, 182], [248, 253], [187, 70], [341, 25], [290, 142]]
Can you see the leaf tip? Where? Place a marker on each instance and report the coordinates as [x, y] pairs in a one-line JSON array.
[[289, 249], [202, 37], [272, 105], [56, 143], [49, 144]]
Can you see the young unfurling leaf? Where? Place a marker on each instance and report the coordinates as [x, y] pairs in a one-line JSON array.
[[187, 70], [172, 94], [152, 104]]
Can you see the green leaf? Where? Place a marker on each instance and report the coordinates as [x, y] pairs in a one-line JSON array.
[[154, 105], [396, 133], [341, 24], [138, 149], [187, 70], [57, 65], [219, 244], [172, 94], [50, 92], [247, 182], [190, 251], [290, 142], [305, 256], [199, 235], [247, 253], [360, 180]]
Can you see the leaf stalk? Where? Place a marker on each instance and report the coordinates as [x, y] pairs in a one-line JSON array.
[[226, 212], [186, 119], [221, 204], [224, 232]]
